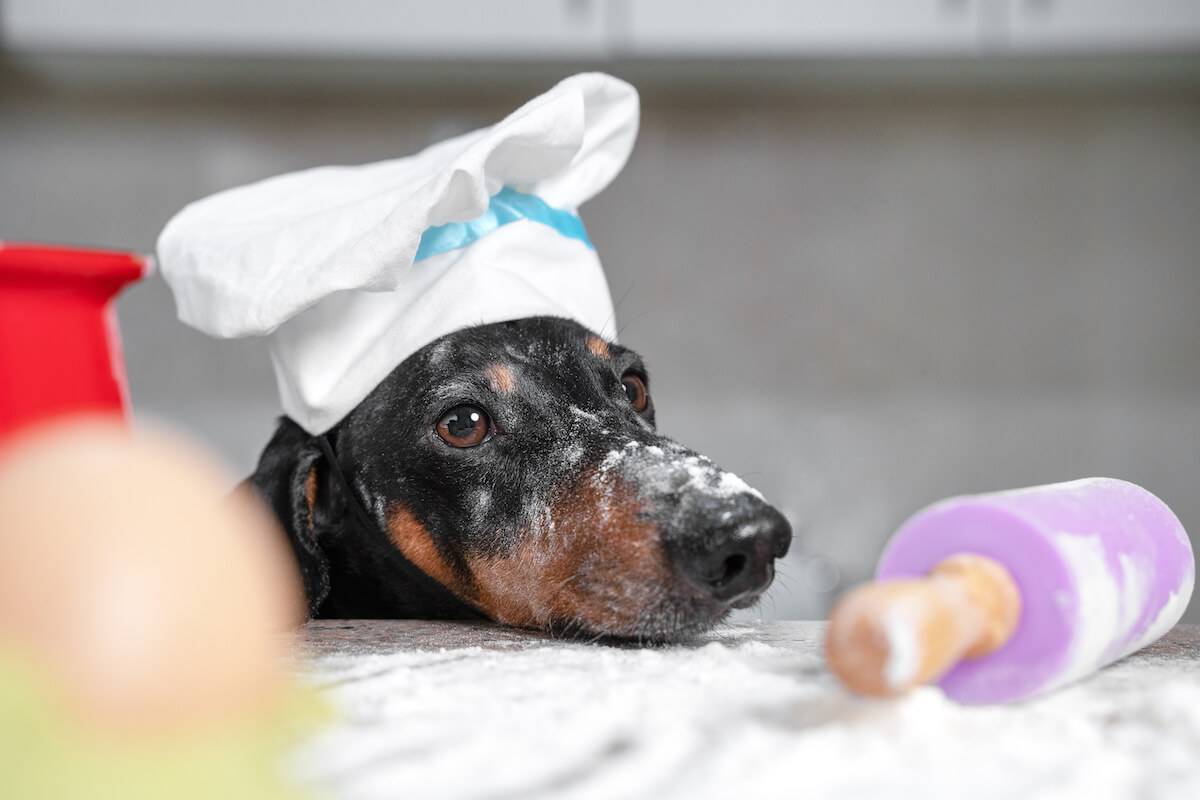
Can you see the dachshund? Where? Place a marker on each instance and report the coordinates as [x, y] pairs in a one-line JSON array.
[[513, 472]]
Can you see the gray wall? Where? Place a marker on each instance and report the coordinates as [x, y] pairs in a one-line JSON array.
[[861, 300]]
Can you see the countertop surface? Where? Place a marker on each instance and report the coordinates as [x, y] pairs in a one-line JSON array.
[[469, 710]]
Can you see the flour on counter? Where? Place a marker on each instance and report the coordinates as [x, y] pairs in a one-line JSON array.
[[734, 717], [904, 651]]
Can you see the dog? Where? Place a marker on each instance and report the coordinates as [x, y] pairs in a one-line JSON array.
[[513, 472]]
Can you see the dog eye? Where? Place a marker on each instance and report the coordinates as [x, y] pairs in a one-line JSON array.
[[635, 390], [464, 426]]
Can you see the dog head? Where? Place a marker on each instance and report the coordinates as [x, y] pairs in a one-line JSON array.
[[517, 465]]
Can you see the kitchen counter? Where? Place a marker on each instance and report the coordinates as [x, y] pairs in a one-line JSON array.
[[467, 710]]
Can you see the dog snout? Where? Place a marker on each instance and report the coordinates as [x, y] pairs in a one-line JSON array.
[[734, 560]]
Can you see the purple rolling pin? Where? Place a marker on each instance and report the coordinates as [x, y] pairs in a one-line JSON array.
[[1102, 566]]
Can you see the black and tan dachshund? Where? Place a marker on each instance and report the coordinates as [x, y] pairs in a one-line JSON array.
[[512, 472]]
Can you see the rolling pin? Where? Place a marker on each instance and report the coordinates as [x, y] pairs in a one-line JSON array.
[[1000, 597]]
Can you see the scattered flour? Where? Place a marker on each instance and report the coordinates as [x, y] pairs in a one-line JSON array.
[[1171, 613], [579, 412], [1113, 607], [1135, 594], [903, 650], [734, 717], [657, 466], [481, 503], [1097, 605]]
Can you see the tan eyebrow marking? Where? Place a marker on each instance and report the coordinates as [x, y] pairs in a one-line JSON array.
[[598, 346], [501, 378]]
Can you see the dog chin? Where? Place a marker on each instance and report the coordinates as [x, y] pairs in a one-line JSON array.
[[649, 629]]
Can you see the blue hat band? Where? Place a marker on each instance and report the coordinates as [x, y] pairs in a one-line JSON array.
[[507, 206]]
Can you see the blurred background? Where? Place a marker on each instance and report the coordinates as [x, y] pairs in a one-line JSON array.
[[876, 252]]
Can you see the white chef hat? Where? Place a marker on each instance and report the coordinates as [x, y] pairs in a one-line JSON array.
[[349, 270]]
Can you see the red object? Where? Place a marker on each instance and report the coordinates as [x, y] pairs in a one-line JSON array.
[[60, 351]]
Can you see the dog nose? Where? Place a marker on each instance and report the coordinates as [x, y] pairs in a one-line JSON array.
[[735, 559]]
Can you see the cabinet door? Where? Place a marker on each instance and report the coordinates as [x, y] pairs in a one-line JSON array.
[[1099, 26], [799, 28], [451, 29]]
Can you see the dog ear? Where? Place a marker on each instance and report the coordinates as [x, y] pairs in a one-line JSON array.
[[288, 478]]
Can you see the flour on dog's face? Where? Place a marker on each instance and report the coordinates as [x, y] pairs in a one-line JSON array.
[[663, 466], [571, 511]]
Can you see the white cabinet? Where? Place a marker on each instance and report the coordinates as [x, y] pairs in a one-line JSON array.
[[925, 28], [445, 29], [577, 30], [1101, 26], [800, 28]]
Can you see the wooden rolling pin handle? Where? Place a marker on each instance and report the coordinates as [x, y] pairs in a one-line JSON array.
[[884, 638]]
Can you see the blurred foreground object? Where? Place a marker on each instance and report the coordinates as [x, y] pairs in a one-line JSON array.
[[142, 613], [59, 344], [1004, 596]]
